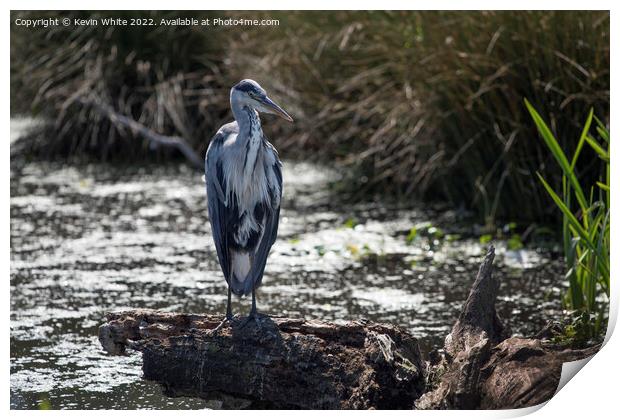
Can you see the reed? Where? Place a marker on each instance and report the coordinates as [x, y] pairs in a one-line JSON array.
[[427, 104], [166, 79], [585, 215], [410, 105]]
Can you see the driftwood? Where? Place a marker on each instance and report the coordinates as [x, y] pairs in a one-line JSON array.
[[294, 363], [155, 139], [286, 363], [480, 367]]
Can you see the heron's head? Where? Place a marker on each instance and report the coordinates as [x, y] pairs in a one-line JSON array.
[[249, 93]]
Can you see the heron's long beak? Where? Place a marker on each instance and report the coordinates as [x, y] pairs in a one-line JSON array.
[[273, 108]]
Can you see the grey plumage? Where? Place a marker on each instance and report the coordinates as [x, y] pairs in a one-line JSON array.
[[244, 188]]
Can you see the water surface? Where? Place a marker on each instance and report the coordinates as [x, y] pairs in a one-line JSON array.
[[86, 239]]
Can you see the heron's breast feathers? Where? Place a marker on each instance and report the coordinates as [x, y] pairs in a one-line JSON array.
[[252, 198]]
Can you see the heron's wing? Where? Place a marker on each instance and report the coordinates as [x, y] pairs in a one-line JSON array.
[[270, 229], [217, 200], [277, 170]]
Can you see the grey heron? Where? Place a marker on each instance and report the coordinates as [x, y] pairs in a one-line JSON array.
[[244, 187]]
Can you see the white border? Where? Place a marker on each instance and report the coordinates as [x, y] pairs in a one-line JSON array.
[[307, 5], [593, 393]]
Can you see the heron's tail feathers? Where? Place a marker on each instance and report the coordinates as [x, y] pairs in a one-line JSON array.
[[241, 265], [247, 288]]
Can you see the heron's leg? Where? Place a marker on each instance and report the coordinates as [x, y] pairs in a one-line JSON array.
[[253, 310], [253, 315], [229, 315]]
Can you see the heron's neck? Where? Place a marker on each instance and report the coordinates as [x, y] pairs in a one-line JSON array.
[[250, 136], [248, 121]]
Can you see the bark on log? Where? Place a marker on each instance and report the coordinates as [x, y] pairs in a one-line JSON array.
[[287, 363], [478, 320]]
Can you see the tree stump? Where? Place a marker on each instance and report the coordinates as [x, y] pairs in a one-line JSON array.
[[286, 363], [481, 368]]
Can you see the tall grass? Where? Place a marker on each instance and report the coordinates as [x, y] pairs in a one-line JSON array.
[[427, 104], [412, 105], [167, 79], [585, 215]]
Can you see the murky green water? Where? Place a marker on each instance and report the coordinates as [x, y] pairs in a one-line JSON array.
[[91, 239]]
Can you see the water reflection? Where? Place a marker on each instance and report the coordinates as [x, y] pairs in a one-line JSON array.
[[93, 238]]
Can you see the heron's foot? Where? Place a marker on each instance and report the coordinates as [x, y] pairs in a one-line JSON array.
[[227, 319], [253, 316]]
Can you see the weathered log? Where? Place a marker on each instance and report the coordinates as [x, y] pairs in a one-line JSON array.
[[478, 320], [524, 372], [286, 363], [481, 368]]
